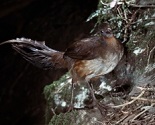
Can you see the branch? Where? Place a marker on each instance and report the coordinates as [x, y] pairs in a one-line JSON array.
[[142, 6], [142, 112], [128, 103], [143, 99]]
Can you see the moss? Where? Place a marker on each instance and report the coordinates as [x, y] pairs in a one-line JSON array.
[[130, 46], [49, 89], [68, 118], [59, 87]]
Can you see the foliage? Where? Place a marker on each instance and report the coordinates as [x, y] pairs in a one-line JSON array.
[[123, 15], [114, 12], [67, 118], [50, 89], [52, 93]]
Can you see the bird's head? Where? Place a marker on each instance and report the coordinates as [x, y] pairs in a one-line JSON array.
[[105, 30]]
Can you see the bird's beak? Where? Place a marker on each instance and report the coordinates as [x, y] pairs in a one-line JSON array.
[[106, 34]]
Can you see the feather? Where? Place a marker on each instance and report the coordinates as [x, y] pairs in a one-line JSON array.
[[38, 53]]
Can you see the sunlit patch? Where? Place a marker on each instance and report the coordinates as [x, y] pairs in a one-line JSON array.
[[138, 50], [59, 101], [83, 94], [104, 85]]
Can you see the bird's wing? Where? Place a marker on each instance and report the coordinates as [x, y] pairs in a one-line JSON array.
[[84, 49], [38, 53]]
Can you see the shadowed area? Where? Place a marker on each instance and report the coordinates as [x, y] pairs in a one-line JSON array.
[[58, 23]]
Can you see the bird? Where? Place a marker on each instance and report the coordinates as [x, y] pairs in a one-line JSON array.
[[85, 59]]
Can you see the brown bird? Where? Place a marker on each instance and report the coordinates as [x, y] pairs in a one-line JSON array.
[[85, 59]]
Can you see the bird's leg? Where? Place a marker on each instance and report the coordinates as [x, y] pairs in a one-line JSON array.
[[92, 91], [72, 94], [71, 107], [102, 108]]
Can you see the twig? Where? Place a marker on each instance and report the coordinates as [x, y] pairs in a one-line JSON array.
[[146, 109], [144, 99], [142, 6], [53, 111], [128, 103], [125, 16], [138, 21], [148, 60], [119, 12], [103, 3], [128, 23], [100, 122], [148, 89], [122, 119]]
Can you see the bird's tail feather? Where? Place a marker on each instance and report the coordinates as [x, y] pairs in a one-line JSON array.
[[38, 53]]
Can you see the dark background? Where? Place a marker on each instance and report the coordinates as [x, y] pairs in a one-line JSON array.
[[58, 22]]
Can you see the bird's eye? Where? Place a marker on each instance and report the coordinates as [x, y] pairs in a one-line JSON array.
[[107, 31], [102, 31]]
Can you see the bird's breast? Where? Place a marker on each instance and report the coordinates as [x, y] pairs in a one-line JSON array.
[[88, 69]]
